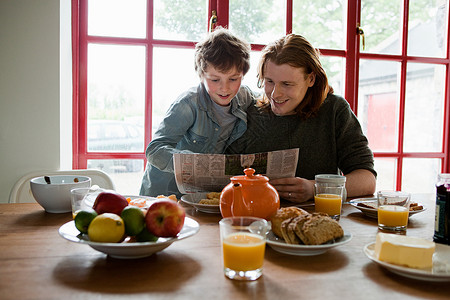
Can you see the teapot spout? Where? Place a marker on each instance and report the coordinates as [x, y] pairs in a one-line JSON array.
[[239, 206]]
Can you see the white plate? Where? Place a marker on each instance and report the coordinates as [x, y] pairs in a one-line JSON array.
[[439, 272], [89, 201], [128, 250], [193, 199], [278, 244], [147, 199], [372, 212]]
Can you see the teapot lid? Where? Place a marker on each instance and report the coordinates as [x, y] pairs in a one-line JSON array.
[[250, 175]]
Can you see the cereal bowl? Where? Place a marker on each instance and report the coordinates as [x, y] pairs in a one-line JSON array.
[[53, 192]]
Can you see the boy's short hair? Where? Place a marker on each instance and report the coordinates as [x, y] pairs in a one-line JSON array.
[[222, 50]]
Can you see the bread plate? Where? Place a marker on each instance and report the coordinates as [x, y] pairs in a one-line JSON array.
[[373, 212], [128, 250], [194, 199], [278, 244], [440, 271]]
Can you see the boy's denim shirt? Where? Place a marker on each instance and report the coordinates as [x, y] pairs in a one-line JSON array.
[[188, 127]]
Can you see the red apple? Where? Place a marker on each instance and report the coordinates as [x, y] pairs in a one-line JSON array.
[[108, 202], [165, 218]]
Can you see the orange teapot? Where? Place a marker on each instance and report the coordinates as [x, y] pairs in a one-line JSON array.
[[249, 195]]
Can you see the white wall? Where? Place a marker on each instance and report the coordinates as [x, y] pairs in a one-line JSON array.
[[30, 89]]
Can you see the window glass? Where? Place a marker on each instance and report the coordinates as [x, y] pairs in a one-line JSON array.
[[115, 131], [424, 108], [322, 22], [335, 69], [386, 173], [251, 79], [170, 82], [427, 35], [258, 21], [116, 88], [419, 174], [119, 18], [382, 23], [115, 136], [378, 103], [125, 173], [184, 20], [133, 131]]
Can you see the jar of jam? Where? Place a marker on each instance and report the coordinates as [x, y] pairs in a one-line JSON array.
[[442, 217]]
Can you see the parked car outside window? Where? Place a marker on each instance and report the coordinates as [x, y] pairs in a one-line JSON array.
[[115, 136]]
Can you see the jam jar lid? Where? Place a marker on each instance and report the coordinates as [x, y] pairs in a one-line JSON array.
[[330, 178]]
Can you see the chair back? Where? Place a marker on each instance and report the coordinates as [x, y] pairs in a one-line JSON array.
[[21, 191]]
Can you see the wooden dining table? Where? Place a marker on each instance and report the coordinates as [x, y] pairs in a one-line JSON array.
[[37, 263]]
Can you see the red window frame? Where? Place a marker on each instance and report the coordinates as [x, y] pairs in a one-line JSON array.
[[403, 59], [352, 54]]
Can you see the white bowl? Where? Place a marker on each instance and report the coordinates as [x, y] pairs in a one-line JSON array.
[[55, 197]]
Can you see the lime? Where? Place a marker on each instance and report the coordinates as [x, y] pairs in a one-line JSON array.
[[83, 218], [106, 228], [134, 220], [146, 236]]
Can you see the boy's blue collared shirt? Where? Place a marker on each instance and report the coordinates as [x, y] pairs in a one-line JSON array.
[[189, 126]]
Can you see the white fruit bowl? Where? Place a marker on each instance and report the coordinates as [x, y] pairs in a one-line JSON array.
[[129, 250], [54, 197]]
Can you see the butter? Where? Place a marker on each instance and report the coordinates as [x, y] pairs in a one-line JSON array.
[[404, 250]]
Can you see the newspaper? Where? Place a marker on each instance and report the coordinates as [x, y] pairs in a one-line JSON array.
[[212, 172]]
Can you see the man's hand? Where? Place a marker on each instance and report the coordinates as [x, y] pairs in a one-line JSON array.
[[294, 189]]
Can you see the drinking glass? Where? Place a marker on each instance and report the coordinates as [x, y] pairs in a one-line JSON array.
[[83, 198], [393, 210], [243, 242], [329, 191]]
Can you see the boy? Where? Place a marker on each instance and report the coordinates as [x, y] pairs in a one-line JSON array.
[[205, 119]]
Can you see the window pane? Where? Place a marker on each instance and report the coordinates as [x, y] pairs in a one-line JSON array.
[[427, 34], [125, 173], [322, 22], [120, 18], [424, 109], [250, 78], [386, 173], [116, 90], [378, 103], [256, 21], [115, 136], [184, 20], [335, 68], [419, 174], [168, 85], [381, 22]]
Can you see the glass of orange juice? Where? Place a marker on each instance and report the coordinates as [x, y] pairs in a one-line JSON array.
[[243, 245], [393, 210], [329, 192]]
